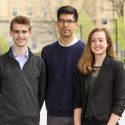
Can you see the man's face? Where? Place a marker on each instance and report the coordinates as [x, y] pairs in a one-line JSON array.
[[66, 25], [20, 34]]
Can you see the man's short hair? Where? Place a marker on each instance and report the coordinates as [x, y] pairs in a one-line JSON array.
[[20, 20], [67, 10]]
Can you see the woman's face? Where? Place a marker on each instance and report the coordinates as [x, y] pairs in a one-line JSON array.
[[99, 43]]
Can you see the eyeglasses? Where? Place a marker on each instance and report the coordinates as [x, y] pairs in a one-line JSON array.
[[66, 21]]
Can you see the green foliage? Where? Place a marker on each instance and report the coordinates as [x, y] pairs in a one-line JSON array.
[[121, 40], [3, 45], [86, 24], [121, 34]]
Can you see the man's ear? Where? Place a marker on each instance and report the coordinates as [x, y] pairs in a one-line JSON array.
[[77, 24], [30, 31], [56, 25]]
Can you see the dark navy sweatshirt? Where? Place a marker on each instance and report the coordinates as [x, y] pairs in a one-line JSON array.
[[61, 63]]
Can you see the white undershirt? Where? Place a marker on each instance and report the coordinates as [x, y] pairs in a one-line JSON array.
[[71, 43]]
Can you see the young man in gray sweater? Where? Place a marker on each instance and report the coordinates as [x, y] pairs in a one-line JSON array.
[[22, 79]]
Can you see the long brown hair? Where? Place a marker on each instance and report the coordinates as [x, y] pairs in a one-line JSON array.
[[87, 59]]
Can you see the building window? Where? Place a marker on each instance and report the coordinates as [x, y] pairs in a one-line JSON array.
[[14, 13], [29, 11]]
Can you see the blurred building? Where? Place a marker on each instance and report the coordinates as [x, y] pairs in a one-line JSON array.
[[42, 14]]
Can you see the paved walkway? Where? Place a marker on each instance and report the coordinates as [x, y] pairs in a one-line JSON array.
[[43, 117]]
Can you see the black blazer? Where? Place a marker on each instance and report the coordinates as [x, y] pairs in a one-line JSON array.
[[109, 90]]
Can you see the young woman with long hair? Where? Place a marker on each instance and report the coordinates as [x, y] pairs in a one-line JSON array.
[[100, 82]]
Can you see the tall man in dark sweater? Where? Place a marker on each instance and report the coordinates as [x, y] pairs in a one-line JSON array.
[[22, 79], [61, 58]]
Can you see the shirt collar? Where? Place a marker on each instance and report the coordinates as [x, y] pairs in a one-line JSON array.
[[25, 55], [71, 43]]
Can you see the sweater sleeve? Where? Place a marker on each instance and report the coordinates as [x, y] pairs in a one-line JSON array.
[[43, 55], [78, 91], [119, 89], [42, 84]]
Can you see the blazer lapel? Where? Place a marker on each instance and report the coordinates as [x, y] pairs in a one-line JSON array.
[[102, 74]]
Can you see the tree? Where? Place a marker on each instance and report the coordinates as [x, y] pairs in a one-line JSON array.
[[3, 45], [118, 7]]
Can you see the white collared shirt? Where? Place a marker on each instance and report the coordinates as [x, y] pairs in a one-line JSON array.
[[71, 43], [21, 59]]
